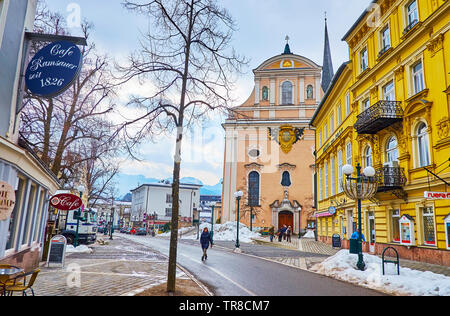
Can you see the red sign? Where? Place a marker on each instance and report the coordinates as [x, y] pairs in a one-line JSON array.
[[66, 202], [437, 195]]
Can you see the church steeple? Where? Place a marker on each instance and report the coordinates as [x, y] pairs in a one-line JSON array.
[[287, 48], [327, 70]]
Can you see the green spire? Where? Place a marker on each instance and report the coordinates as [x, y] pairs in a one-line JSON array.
[[287, 49]]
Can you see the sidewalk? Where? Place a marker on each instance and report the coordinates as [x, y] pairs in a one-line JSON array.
[[312, 246], [120, 268]]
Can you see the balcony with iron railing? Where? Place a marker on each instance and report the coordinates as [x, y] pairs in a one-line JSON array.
[[379, 116], [390, 178]]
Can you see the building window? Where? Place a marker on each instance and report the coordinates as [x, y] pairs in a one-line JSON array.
[[392, 150], [333, 176], [16, 215], [339, 115], [253, 188], [326, 180], [412, 14], [349, 153], [347, 104], [389, 91], [385, 39], [168, 198], [395, 220], [168, 212], [309, 92], [325, 132], [428, 226], [364, 59], [417, 77], [365, 104], [368, 160], [331, 124], [340, 173], [320, 139], [320, 184], [286, 93], [422, 145], [286, 179]]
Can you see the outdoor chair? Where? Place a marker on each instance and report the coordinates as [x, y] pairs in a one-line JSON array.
[[24, 286], [8, 282]]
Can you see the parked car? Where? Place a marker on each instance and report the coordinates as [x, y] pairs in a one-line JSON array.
[[141, 231]]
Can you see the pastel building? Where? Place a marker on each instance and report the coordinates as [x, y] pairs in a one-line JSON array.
[[269, 146]]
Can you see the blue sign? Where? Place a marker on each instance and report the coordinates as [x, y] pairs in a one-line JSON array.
[[332, 210], [53, 69]]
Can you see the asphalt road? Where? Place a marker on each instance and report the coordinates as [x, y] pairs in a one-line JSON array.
[[226, 273]]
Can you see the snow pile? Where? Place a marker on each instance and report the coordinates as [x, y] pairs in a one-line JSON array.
[[410, 282], [309, 234], [79, 249], [227, 232]]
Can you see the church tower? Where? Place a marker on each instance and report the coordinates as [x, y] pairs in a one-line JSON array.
[[269, 146], [327, 70]]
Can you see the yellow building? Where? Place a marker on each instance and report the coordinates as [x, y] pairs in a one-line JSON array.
[[396, 91]]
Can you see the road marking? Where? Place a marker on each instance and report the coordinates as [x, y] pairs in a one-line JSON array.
[[222, 275]]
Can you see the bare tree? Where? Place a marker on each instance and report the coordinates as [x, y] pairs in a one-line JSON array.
[[61, 129], [187, 57]]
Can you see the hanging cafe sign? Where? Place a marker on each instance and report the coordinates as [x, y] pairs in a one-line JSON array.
[[53, 69], [66, 202]]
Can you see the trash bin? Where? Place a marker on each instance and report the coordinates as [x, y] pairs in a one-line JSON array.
[[355, 246]]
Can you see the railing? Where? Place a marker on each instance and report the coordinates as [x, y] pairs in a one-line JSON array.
[[410, 26], [390, 178], [379, 116]]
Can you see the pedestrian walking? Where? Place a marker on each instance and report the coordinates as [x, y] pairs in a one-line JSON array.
[[288, 234], [280, 234], [205, 240], [284, 229], [271, 233]]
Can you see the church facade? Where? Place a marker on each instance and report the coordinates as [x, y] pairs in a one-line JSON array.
[[269, 146]]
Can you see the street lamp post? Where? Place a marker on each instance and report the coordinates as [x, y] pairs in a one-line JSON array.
[[299, 221], [238, 196], [81, 189], [212, 220], [111, 231], [363, 187]]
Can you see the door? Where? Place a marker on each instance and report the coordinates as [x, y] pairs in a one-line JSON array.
[[285, 218], [372, 232]]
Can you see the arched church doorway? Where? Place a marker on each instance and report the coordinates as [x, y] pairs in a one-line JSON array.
[[285, 218]]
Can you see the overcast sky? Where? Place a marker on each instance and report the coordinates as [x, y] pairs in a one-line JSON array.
[[263, 26]]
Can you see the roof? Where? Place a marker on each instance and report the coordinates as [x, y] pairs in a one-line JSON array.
[[330, 88], [362, 16]]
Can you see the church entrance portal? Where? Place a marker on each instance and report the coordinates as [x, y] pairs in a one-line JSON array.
[[285, 218]]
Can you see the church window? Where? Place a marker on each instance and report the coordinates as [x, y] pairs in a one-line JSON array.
[[286, 179], [253, 189], [286, 93]]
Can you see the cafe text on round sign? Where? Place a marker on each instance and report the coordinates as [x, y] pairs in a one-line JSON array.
[[7, 200], [53, 69], [66, 202]]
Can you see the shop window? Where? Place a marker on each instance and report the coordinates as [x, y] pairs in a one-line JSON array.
[[16, 215], [395, 220], [429, 237], [447, 230]]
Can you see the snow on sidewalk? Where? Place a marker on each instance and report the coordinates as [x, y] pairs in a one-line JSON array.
[[410, 282]]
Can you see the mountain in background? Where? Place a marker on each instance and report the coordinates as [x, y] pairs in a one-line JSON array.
[[127, 182]]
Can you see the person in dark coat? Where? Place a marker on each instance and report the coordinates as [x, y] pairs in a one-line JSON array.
[[205, 240]]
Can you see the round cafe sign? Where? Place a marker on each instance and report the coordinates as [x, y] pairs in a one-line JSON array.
[[7, 200], [66, 202], [53, 69]]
